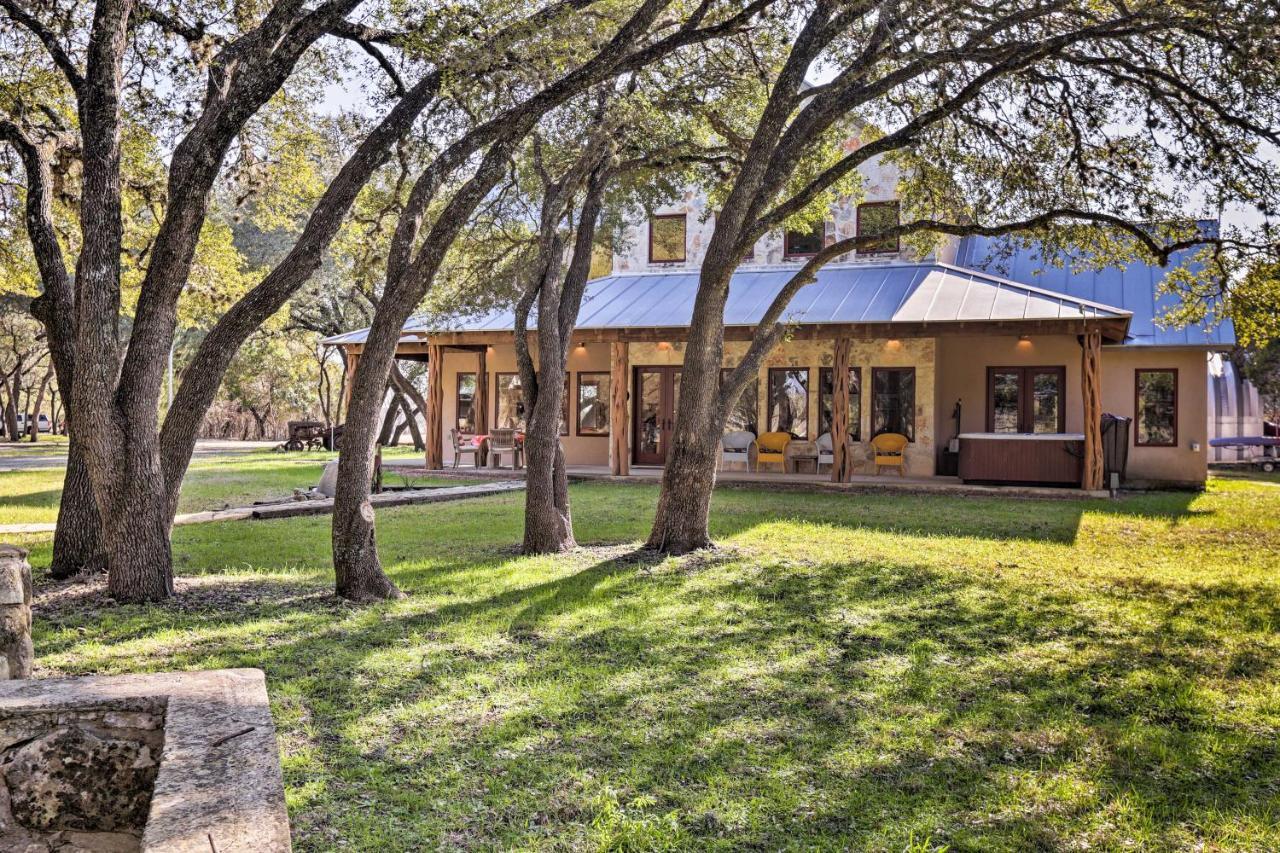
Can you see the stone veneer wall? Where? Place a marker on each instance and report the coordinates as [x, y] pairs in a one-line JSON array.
[[16, 653], [79, 778]]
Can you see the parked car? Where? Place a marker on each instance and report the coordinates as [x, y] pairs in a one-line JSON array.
[[42, 424]]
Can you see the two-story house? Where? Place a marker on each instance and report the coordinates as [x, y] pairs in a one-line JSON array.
[[975, 354]]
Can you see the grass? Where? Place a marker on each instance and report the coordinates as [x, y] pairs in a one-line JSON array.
[[213, 482], [867, 672]]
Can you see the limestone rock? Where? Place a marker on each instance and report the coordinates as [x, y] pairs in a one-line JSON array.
[[71, 779], [329, 480]]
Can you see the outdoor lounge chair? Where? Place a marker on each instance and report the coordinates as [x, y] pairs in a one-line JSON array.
[[890, 451], [771, 448], [462, 445], [826, 456], [736, 447], [502, 442]]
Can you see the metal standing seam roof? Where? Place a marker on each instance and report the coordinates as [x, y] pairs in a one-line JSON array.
[[1135, 287], [845, 293]]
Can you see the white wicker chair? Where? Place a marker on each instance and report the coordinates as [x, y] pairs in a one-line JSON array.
[[736, 447]]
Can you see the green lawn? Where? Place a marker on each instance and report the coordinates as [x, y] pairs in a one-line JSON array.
[[214, 482], [846, 672]]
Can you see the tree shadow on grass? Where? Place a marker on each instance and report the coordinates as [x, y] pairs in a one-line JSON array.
[[718, 702]]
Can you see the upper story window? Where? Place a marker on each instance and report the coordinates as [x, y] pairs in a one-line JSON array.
[[805, 244], [667, 238], [875, 220]]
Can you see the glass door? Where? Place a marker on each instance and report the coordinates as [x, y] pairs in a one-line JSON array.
[[1026, 399], [657, 390]]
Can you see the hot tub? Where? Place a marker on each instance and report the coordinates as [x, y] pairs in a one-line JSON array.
[[1015, 457]]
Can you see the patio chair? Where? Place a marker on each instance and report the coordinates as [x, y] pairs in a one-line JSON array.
[[463, 445], [502, 442], [826, 456], [890, 451], [736, 447], [771, 448]]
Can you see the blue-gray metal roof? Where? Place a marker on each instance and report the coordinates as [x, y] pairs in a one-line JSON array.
[[1134, 287], [848, 293]]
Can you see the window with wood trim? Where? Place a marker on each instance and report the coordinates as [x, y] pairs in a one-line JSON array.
[[667, 235], [1026, 399], [1156, 408], [564, 406], [593, 403], [789, 401], [745, 414], [805, 244], [893, 401], [464, 403], [876, 221], [508, 401], [826, 401]]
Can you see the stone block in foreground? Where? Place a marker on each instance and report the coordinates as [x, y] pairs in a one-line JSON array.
[[172, 762]]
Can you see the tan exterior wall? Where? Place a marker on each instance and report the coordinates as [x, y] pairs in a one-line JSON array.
[[579, 450], [962, 375]]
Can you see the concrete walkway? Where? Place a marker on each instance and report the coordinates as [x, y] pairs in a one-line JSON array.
[[317, 506]]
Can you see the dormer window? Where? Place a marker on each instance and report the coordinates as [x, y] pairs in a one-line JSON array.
[[805, 244], [667, 238], [876, 221]]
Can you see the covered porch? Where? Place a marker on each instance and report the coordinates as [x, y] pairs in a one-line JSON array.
[[907, 350]]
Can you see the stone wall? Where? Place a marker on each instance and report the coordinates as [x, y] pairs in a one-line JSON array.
[[79, 778], [16, 654]]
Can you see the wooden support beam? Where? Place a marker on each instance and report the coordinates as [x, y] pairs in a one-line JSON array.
[[841, 464], [349, 379], [1091, 390], [434, 436], [481, 401], [619, 449]]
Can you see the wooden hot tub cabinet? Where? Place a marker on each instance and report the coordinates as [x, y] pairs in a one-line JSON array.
[[1046, 458]]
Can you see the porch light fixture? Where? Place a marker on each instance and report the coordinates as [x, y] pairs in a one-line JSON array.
[[893, 343], [489, 351], [664, 345], [580, 349], [1024, 342]]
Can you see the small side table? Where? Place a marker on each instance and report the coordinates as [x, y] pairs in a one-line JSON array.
[[801, 452]]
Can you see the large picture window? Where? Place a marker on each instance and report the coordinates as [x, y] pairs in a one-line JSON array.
[[593, 404], [893, 401], [1026, 399], [464, 403], [745, 415], [1156, 408], [805, 244], [508, 401], [826, 401], [876, 221], [789, 401], [667, 238]]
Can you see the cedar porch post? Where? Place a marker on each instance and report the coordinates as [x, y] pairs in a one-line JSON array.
[[1091, 386], [840, 462], [619, 453], [481, 402], [434, 437], [353, 361]]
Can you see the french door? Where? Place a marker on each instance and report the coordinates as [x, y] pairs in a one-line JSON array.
[[1026, 399], [656, 391]]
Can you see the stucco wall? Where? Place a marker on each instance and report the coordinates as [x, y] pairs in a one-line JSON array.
[[962, 375], [579, 450]]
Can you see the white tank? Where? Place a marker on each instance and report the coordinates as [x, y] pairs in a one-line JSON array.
[[1234, 408]]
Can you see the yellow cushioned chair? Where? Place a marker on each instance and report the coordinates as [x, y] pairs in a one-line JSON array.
[[772, 447], [890, 450]]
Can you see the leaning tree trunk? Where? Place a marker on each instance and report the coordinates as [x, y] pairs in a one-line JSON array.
[[681, 523]]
